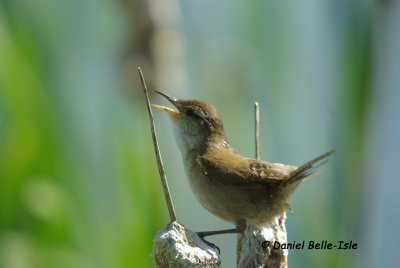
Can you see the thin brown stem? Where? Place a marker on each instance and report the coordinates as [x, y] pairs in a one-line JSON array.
[[257, 126], [163, 178]]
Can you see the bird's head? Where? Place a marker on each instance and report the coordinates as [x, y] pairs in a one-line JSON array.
[[197, 122]]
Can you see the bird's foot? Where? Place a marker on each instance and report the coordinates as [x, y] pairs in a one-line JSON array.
[[204, 234], [208, 243]]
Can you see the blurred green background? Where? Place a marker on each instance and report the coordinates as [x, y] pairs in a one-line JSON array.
[[79, 185]]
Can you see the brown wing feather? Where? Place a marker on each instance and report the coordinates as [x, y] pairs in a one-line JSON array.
[[240, 170]]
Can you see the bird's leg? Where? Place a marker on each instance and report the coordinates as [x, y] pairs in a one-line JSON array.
[[227, 231], [240, 227]]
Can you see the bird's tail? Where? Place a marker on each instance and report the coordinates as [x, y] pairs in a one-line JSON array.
[[307, 169]]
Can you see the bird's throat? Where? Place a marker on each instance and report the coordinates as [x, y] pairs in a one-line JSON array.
[[198, 144]]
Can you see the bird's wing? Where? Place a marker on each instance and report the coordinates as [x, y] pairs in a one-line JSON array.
[[253, 173], [238, 170]]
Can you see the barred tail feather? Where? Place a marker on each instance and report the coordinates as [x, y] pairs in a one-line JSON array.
[[307, 169]]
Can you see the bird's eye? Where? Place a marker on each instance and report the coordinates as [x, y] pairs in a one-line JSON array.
[[189, 112]]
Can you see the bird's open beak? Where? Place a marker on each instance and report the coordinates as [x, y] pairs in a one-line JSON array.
[[173, 113]]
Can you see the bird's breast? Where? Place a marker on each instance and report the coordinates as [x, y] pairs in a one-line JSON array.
[[211, 196]]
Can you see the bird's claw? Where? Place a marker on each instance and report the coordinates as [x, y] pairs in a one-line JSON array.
[[212, 245]]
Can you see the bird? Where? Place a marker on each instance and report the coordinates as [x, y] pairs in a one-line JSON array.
[[234, 188]]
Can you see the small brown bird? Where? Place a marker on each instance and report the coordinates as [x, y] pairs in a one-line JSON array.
[[234, 188]]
